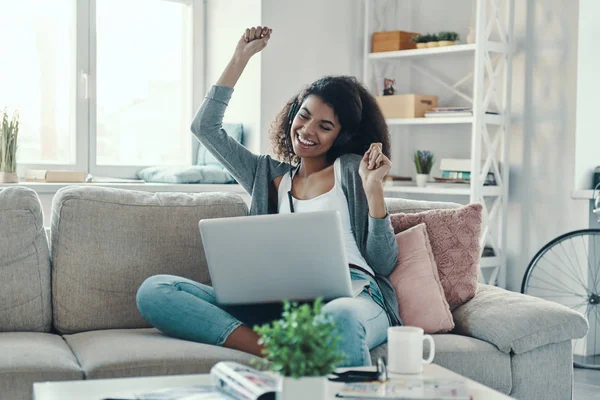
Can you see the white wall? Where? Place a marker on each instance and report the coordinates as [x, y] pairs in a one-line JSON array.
[[542, 143], [311, 38], [226, 21], [588, 87]]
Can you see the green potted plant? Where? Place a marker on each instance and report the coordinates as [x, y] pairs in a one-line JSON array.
[[447, 38], [9, 133], [302, 347], [420, 40], [424, 161], [433, 40]]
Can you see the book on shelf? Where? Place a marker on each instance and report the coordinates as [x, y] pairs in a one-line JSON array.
[[54, 176], [440, 112], [459, 164], [408, 388], [466, 176], [230, 381]]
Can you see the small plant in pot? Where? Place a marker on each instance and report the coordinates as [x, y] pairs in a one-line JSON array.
[[302, 347], [420, 40], [433, 40], [424, 160], [447, 38], [9, 133]]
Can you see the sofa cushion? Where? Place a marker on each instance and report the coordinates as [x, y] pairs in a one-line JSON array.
[[420, 294], [521, 322], [455, 236], [24, 263], [106, 242], [470, 357], [145, 352], [28, 357]]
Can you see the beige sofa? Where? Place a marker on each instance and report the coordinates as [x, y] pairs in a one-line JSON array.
[[67, 310]]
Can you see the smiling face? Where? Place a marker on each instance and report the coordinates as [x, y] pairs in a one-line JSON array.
[[314, 128]]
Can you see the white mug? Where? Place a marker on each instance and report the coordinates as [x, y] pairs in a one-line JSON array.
[[405, 349]]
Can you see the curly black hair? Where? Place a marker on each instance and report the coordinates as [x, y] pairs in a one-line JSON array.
[[361, 120]]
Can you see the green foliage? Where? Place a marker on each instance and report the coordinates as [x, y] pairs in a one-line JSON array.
[[428, 37], [424, 161], [9, 133], [450, 36], [304, 342]]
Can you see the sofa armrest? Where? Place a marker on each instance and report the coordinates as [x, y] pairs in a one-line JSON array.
[[516, 322]]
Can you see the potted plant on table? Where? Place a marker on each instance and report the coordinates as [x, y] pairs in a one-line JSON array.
[[9, 132], [303, 348], [424, 161], [447, 38]]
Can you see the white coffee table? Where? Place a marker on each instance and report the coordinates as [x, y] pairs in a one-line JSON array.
[[125, 388]]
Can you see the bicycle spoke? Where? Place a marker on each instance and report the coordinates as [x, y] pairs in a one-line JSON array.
[[562, 289], [573, 272], [558, 269], [551, 290], [592, 270], [577, 260], [596, 324], [579, 305], [553, 277], [597, 280], [590, 274]]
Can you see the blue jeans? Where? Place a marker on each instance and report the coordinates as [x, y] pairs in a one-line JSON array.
[[188, 310]]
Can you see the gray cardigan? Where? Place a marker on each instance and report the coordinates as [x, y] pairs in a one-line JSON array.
[[255, 173]]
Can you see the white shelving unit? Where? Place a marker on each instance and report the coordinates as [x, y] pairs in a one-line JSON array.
[[490, 91]]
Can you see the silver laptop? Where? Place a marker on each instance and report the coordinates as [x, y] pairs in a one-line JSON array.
[[268, 258]]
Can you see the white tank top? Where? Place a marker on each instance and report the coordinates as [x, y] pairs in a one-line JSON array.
[[336, 200]]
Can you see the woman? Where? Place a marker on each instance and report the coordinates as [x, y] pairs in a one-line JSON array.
[[336, 137]]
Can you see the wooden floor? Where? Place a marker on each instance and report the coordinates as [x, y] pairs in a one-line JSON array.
[[587, 384]]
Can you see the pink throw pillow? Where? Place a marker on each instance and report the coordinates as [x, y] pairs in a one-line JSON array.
[[420, 294], [454, 237]]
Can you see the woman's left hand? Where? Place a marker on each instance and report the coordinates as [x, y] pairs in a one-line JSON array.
[[374, 167]]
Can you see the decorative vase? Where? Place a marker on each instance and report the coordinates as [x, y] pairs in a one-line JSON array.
[[421, 45], [471, 35], [422, 180], [9, 177], [312, 387], [432, 44], [443, 43]]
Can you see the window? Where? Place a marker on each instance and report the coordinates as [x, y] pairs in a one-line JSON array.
[[143, 100], [38, 77], [103, 86]]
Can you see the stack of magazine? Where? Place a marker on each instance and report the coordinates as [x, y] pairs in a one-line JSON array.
[[233, 381]]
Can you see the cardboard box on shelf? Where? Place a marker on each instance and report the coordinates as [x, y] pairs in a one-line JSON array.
[[392, 41], [406, 105]]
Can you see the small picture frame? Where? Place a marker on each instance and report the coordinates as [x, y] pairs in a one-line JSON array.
[[389, 86]]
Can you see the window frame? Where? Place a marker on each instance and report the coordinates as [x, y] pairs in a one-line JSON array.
[[85, 86]]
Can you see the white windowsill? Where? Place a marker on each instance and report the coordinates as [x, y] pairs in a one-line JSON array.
[[42, 187]]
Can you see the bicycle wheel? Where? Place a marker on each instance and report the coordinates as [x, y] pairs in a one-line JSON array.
[[567, 271]]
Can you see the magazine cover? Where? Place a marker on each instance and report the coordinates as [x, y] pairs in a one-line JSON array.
[[408, 389], [244, 383]]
